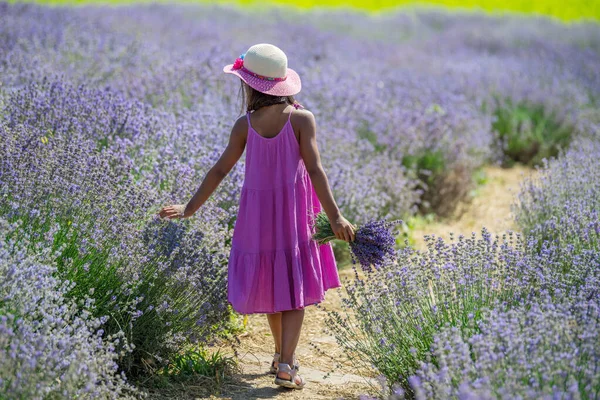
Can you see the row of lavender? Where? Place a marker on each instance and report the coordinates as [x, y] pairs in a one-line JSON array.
[[107, 114], [488, 317], [81, 241], [424, 106]]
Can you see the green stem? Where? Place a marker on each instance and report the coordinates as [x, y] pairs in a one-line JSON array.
[[326, 239]]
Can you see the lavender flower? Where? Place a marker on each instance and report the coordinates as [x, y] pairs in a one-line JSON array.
[[540, 350], [374, 242], [50, 346]]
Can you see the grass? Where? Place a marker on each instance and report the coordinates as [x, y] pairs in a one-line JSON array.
[[566, 11], [201, 362], [194, 371]]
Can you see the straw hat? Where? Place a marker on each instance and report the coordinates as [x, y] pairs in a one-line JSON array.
[[264, 68]]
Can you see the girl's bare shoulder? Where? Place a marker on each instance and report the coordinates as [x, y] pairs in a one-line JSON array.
[[240, 125], [241, 121], [303, 119]]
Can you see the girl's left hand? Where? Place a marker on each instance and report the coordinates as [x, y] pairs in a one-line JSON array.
[[343, 229], [174, 211]]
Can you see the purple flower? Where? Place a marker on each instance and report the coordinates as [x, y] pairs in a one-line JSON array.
[[374, 244]]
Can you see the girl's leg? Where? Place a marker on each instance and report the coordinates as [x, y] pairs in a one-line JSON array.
[[275, 324], [291, 322]]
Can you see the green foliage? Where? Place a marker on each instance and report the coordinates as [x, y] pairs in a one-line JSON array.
[[529, 132], [341, 251], [233, 325], [201, 362], [323, 230], [130, 304], [429, 165], [480, 177], [324, 234], [444, 186], [406, 237]]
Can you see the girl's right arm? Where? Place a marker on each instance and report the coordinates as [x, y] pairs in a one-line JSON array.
[[231, 155]]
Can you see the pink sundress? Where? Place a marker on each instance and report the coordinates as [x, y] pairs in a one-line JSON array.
[[274, 265]]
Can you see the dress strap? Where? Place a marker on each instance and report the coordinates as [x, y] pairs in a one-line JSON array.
[[290, 115], [248, 118]]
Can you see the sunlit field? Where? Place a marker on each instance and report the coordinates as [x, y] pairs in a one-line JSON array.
[[109, 113]]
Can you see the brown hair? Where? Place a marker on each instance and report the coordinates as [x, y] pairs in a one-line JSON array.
[[253, 99]]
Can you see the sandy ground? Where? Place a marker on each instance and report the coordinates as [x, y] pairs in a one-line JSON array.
[[490, 207], [323, 381]]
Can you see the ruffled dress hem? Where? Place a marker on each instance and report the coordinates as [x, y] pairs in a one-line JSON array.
[[280, 280]]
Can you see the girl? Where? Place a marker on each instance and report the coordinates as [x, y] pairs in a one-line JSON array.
[[274, 266]]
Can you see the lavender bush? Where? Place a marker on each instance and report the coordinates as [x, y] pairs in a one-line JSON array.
[[540, 350], [563, 202], [111, 248], [390, 317], [529, 133], [51, 346], [517, 320]]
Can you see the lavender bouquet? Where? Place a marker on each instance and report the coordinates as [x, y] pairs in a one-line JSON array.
[[373, 243]]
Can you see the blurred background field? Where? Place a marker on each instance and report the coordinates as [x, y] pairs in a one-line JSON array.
[[564, 10]]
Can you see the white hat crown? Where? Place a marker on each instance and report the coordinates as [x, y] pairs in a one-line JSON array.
[[266, 60]]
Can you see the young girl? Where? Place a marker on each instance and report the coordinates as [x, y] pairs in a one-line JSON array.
[[274, 266]]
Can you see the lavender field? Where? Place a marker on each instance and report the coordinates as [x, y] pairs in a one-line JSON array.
[[109, 113]]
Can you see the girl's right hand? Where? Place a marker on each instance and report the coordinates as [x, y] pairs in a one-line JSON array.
[[174, 211], [343, 229]]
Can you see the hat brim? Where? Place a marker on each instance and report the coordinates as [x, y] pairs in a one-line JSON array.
[[289, 87]]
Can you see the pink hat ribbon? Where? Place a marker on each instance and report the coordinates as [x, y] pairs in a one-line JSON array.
[[239, 64]]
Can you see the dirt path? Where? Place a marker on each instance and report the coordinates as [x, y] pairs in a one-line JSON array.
[[257, 349], [490, 208]]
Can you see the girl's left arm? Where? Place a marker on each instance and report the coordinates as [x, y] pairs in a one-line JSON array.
[[231, 155]]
